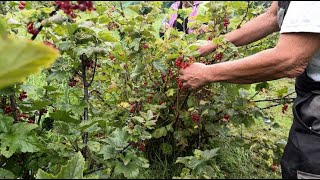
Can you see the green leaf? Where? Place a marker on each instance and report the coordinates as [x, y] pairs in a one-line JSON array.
[[43, 175], [20, 58], [137, 70], [129, 171], [64, 116], [72, 170], [50, 88], [19, 139], [170, 92], [159, 66], [109, 36], [94, 146], [5, 123], [108, 152], [5, 174], [118, 138], [160, 132], [263, 85], [166, 148]]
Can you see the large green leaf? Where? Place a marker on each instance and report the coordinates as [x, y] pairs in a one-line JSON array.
[[72, 170], [5, 123], [19, 138], [64, 116], [20, 58]]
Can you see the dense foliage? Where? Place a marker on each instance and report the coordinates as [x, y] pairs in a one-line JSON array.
[[112, 104]]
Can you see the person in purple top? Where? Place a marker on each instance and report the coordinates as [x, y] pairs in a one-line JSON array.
[[183, 24]]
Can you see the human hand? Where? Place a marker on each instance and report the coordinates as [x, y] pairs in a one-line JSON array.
[[194, 76]]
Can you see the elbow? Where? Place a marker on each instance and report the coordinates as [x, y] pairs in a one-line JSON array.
[[295, 67]]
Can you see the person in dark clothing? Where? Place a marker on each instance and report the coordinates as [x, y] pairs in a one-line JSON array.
[[296, 55]]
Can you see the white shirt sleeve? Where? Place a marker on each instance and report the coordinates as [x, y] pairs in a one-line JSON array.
[[302, 16]]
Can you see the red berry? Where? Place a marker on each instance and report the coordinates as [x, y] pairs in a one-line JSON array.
[[142, 148], [75, 6], [195, 117], [284, 108], [8, 109], [226, 118], [21, 7], [31, 121], [274, 167], [218, 57], [145, 46], [226, 22], [23, 3], [82, 7]]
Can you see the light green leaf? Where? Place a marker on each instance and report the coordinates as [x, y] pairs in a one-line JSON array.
[[137, 70], [19, 139], [20, 58], [109, 36], [159, 66], [160, 132], [64, 116], [5, 123], [43, 175], [108, 152], [72, 170]]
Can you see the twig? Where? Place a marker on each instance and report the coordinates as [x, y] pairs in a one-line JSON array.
[[94, 70], [244, 15], [14, 107], [40, 28]]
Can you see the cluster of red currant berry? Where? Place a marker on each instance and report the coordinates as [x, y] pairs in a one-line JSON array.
[[226, 118], [73, 82], [23, 95], [31, 29], [195, 117], [69, 7], [182, 64], [284, 108], [22, 5], [138, 145], [218, 57], [226, 22]]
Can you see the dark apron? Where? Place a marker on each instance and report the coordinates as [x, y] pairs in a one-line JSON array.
[[301, 158]]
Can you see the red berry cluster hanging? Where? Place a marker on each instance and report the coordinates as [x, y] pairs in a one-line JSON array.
[[7, 109], [218, 57], [226, 22], [24, 116], [182, 64], [138, 145], [31, 29], [195, 117], [69, 7], [284, 108], [73, 82], [23, 95], [22, 5], [226, 118]]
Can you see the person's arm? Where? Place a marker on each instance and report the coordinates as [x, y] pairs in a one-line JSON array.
[[289, 58], [254, 30]]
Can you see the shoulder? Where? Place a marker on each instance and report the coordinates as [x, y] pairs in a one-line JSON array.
[[302, 16]]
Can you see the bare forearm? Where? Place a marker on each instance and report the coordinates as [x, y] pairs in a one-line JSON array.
[[254, 30], [264, 66]]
